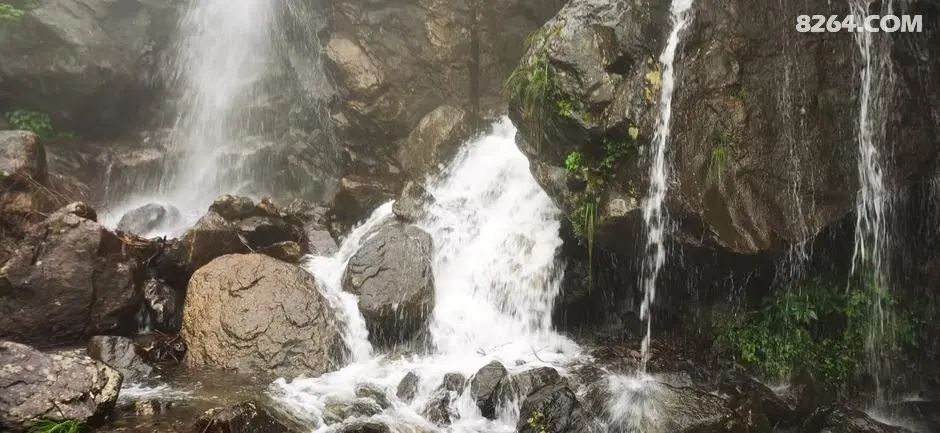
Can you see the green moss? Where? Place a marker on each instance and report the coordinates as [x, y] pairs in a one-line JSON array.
[[821, 327], [10, 13], [538, 423], [721, 151], [36, 121], [574, 163], [654, 82], [49, 426]]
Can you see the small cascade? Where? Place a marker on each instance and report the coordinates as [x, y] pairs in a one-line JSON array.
[[869, 264], [496, 240], [654, 212]]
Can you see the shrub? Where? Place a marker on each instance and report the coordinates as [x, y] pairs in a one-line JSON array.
[[574, 163], [35, 121]]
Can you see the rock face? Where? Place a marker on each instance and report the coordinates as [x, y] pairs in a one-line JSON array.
[[434, 141], [517, 387], [120, 354], [94, 63], [43, 386], [554, 409], [21, 155], [391, 273], [70, 278], [840, 419], [245, 417], [763, 146], [252, 313]]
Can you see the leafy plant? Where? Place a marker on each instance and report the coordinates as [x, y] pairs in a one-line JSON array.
[[614, 151], [10, 13], [821, 327], [50, 426], [565, 108], [574, 163], [654, 82], [720, 154], [34, 121], [537, 422]]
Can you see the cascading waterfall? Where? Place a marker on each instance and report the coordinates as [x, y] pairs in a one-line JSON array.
[[654, 213], [496, 276], [871, 236], [222, 53]]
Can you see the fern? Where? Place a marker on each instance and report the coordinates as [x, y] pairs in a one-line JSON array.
[[50, 426]]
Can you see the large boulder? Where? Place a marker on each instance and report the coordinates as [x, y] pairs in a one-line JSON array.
[[518, 386], [252, 313], [70, 278], [149, 218], [392, 276], [40, 386], [555, 409], [842, 419], [763, 148], [434, 141]]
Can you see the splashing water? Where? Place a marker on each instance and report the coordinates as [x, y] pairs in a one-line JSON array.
[[496, 242], [654, 213]]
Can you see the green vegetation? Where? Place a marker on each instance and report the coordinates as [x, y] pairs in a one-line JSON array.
[[49, 426], [532, 85], [537, 422], [821, 327], [574, 163], [720, 153], [10, 13], [654, 82], [35, 121]]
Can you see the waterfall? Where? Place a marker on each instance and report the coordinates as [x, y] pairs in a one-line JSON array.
[[871, 237], [654, 213], [496, 241]]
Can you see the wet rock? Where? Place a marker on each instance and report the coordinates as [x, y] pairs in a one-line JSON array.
[[146, 408], [366, 390], [237, 225], [412, 202], [357, 198], [434, 141], [22, 156], [483, 387], [337, 411], [288, 251], [364, 427], [454, 382], [119, 353], [149, 218], [408, 387], [392, 276], [841, 419], [245, 417], [438, 408], [518, 386], [70, 278], [316, 222], [253, 313], [806, 393], [164, 306], [745, 391], [554, 409], [164, 350], [52, 386]]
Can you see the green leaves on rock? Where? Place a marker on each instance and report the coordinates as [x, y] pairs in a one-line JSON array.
[[50, 426], [35, 121], [10, 13]]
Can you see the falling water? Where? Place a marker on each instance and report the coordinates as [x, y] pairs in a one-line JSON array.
[[496, 276], [654, 214], [871, 238]]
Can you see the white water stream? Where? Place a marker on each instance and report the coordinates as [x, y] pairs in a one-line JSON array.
[[654, 213], [496, 276]]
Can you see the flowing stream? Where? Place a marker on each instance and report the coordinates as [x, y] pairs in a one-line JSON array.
[[496, 276], [654, 213]]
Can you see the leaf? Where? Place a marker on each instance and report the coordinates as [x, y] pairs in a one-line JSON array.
[[634, 132]]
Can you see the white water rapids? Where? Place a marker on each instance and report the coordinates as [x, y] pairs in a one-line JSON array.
[[496, 276]]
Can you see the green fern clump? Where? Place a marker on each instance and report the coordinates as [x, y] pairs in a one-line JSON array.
[[50, 426], [720, 153], [34, 121], [574, 163], [10, 13], [532, 85]]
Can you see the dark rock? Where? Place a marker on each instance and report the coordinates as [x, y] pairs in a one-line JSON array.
[[316, 223], [245, 417], [119, 353], [288, 251], [454, 382], [321, 242], [149, 218], [365, 390], [53, 386], [438, 408], [252, 313], [234, 208], [483, 387], [412, 202], [364, 427], [337, 411], [70, 278], [745, 391], [806, 393], [391, 273], [22, 157], [164, 306], [518, 386], [408, 387], [357, 198], [554, 409], [841, 419], [434, 141], [211, 237]]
